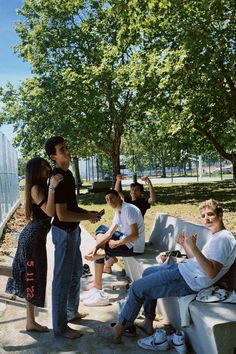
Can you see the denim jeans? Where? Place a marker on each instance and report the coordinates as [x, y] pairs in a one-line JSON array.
[[122, 250], [157, 282], [68, 269], [102, 229]]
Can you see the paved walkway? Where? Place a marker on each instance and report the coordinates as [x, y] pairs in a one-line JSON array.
[[14, 338], [177, 180]]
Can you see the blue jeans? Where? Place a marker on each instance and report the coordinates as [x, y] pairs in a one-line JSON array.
[[102, 229], [157, 282], [122, 251], [68, 269]]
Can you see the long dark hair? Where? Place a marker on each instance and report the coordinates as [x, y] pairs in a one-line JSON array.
[[33, 176]]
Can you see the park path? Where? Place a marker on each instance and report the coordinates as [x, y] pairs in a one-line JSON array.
[[14, 339]]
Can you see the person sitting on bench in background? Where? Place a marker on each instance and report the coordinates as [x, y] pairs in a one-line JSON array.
[[136, 198]]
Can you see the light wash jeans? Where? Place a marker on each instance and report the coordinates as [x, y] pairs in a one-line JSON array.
[[157, 282], [68, 269]]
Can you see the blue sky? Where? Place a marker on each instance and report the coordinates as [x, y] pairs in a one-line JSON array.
[[12, 68]]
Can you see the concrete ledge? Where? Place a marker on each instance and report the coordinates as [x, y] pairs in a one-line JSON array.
[[3, 307], [8, 216], [166, 229], [213, 328], [134, 266], [213, 325]]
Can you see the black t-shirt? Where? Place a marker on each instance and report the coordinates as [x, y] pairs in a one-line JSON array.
[[65, 194], [38, 213], [140, 203]]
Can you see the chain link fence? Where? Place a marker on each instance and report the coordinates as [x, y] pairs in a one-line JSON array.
[[9, 186]]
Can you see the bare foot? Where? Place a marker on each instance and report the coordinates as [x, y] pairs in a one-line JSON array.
[[107, 269], [109, 333], [78, 316], [146, 327], [98, 255], [111, 261], [69, 334], [108, 264], [90, 257], [36, 327]]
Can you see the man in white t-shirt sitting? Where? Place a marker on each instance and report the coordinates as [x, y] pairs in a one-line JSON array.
[[127, 242], [202, 269]]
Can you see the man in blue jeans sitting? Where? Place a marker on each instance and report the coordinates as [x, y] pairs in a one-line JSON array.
[[202, 269], [68, 265]]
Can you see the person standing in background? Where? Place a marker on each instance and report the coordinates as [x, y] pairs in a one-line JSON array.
[[68, 267], [29, 268]]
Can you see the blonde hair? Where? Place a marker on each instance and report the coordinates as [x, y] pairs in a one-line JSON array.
[[213, 204]]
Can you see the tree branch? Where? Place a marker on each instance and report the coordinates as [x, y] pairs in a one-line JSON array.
[[230, 83], [212, 140]]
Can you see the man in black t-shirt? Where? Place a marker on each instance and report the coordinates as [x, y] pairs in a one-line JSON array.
[[136, 190], [68, 267]]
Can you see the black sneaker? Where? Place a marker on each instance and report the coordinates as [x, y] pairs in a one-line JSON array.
[[86, 271], [129, 331]]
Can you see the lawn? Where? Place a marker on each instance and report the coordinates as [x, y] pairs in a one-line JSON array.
[[180, 200]]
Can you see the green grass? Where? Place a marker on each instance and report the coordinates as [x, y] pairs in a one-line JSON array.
[[179, 200]]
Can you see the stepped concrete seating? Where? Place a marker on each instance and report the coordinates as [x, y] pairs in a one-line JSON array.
[[213, 326]]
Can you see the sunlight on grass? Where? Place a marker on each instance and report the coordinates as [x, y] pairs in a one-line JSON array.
[[179, 200]]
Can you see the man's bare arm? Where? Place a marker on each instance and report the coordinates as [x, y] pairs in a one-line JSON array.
[[118, 186], [102, 239], [152, 197], [132, 237], [70, 216]]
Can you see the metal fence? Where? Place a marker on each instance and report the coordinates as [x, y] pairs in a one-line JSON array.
[[9, 186]]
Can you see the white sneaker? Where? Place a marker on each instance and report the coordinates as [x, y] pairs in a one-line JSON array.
[[178, 342], [88, 293], [157, 341], [99, 298]]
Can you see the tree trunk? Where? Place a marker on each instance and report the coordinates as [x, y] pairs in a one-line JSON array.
[[115, 165], [212, 140], [163, 170], [115, 154], [234, 167], [78, 181], [185, 168]]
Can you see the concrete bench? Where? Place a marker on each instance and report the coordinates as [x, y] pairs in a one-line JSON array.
[[213, 326], [100, 186]]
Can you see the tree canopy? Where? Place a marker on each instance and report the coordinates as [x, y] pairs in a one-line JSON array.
[[158, 70], [189, 53]]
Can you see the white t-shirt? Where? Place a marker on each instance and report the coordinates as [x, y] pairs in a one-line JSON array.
[[129, 215], [221, 247]]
